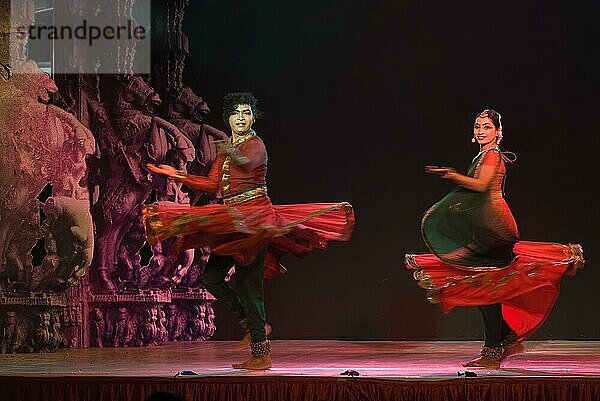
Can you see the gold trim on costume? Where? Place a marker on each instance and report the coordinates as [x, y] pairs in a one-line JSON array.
[[245, 196], [574, 259], [244, 138], [433, 291], [342, 205], [226, 170], [225, 173], [423, 279], [575, 253]]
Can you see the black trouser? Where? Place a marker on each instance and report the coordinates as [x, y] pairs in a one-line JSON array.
[[247, 300], [495, 328]]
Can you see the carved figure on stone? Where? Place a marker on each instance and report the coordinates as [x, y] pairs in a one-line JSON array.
[[195, 325], [154, 267], [148, 332], [51, 144], [9, 331], [194, 273], [55, 329], [202, 317], [72, 325], [163, 334], [132, 137], [98, 327], [15, 272], [187, 111], [69, 244], [49, 264], [183, 263], [172, 313], [128, 255], [122, 333], [39, 335], [175, 322], [36, 138], [209, 314], [16, 275], [174, 189], [171, 271]]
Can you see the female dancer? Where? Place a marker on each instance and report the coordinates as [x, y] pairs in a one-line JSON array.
[[247, 230], [476, 258]]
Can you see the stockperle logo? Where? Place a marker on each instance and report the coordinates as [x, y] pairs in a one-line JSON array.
[[93, 40]]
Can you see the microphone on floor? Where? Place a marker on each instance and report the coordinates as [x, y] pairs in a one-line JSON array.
[[350, 373], [186, 373]]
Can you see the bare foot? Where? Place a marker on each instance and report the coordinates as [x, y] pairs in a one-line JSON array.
[[255, 363], [483, 362], [515, 349]]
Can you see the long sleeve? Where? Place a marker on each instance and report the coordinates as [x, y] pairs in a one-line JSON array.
[[209, 183]]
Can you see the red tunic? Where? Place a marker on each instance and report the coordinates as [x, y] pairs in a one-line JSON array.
[[248, 221], [230, 178]]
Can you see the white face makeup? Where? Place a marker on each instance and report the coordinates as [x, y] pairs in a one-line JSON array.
[[241, 119]]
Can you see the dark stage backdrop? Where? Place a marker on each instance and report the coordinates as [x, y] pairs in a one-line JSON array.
[[360, 95]]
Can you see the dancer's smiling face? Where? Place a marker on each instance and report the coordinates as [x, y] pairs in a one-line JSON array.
[[485, 131]]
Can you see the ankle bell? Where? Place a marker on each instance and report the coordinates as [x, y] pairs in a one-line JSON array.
[[261, 349], [493, 353], [510, 340]]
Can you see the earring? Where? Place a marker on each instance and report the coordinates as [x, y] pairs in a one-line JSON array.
[[473, 139]]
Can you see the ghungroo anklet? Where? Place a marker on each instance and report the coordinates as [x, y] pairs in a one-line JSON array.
[[493, 353], [261, 349], [509, 340]]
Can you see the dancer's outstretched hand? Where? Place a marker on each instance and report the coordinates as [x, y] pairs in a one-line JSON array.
[[441, 171], [223, 146], [164, 169], [434, 170]]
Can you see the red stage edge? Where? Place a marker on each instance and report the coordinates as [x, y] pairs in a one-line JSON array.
[[302, 388], [305, 370]]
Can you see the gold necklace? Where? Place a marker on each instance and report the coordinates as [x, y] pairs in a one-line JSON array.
[[244, 138]]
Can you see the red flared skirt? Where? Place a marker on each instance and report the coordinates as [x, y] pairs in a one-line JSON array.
[[527, 288], [242, 230]]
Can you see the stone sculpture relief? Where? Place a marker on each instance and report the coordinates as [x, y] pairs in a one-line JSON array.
[[149, 325], [74, 198], [129, 136], [42, 149], [40, 145]]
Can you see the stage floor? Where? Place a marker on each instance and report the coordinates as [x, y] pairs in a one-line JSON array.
[[375, 359], [307, 370]]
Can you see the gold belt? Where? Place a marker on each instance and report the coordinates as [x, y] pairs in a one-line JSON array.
[[245, 196]]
